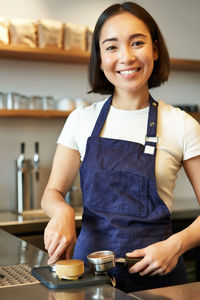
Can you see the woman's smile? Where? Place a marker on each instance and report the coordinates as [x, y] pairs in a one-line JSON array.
[[129, 73]]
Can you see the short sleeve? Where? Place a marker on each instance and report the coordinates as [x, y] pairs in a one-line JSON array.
[[68, 135], [191, 137]]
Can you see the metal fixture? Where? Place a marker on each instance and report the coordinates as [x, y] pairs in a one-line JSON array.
[[36, 161], [16, 275], [26, 168]]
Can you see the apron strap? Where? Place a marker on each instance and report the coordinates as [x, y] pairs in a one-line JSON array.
[[151, 139], [101, 118]]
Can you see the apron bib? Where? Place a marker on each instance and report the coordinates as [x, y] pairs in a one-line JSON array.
[[122, 210]]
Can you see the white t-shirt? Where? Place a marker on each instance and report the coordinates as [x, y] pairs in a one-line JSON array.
[[178, 132]]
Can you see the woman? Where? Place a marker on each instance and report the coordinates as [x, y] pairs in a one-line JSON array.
[[130, 148]]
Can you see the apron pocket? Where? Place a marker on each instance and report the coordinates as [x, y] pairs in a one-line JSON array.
[[114, 191]]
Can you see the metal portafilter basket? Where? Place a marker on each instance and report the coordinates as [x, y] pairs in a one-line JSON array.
[[103, 261]]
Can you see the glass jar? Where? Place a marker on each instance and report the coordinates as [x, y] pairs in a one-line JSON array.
[[49, 103], [3, 101], [35, 102]]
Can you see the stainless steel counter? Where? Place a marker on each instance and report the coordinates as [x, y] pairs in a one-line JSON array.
[[33, 221], [179, 292], [14, 251], [36, 221]]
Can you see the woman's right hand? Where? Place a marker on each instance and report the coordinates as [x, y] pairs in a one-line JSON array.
[[60, 234]]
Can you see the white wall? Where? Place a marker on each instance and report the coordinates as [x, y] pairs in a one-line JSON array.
[[179, 21]]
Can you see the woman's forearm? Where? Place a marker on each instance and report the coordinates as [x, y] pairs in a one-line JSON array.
[[188, 238], [52, 201], [64, 170]]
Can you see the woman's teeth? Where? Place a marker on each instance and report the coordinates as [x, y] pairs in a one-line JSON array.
[[128, 72]]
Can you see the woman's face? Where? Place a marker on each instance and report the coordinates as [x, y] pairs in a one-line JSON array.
[[127, 52]]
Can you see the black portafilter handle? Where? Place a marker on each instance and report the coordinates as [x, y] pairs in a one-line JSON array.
[[36, 147], [22, 150], [130, 261]]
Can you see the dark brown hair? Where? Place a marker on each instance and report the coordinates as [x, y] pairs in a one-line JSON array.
[[97, 80]]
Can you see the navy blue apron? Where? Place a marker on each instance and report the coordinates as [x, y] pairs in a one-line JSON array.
[[122, 209]]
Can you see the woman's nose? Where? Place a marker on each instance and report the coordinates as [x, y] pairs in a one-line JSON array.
[[127, 55]]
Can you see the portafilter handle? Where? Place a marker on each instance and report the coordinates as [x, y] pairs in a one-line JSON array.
[[128, 261]]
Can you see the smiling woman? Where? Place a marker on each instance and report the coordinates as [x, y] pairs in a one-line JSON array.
[[129, 155], [127, 56], [98, 81]]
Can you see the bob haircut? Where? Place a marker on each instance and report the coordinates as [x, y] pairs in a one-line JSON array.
[[97, 80]]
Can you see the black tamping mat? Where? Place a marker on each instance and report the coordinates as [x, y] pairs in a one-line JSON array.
[[50, 279]]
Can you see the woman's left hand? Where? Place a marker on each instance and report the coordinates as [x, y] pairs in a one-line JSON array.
[[158, 259]]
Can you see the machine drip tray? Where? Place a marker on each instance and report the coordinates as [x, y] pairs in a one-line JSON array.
[[16, 275]]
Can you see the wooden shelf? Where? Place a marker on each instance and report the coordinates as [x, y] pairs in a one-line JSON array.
[[196, 116], [185, 64], [39, 54], [61, 55], [48, 114]]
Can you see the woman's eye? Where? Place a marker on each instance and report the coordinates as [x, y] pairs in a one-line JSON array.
[[111, 48], [137, 43]]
